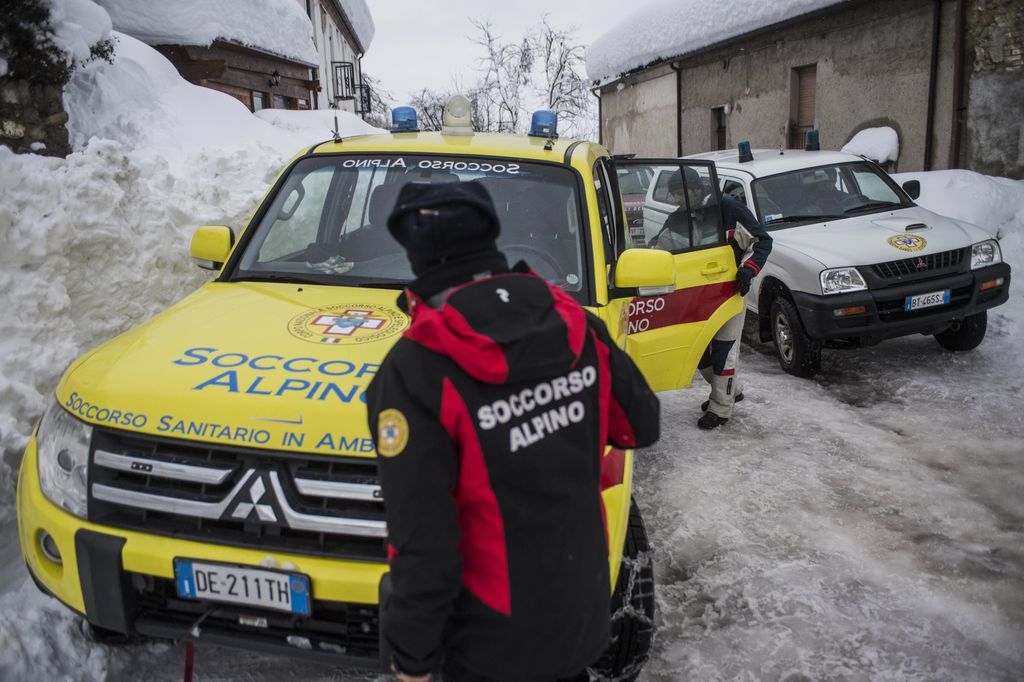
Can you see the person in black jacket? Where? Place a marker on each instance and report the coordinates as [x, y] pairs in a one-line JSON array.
[[491, 416], [694, 223]]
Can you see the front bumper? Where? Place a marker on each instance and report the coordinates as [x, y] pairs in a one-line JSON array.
[[884, 316], [124, 581]]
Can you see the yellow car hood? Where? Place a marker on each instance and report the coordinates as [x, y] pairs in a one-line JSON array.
[[263, 365]]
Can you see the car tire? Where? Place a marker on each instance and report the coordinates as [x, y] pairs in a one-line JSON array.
[[798, 353], [632, 608], [968, 335]]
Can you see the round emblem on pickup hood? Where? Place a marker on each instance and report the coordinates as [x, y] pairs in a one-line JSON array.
[[348, 324], [907, 242]]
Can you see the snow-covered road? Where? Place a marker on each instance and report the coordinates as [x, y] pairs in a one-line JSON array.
[[864, 525]]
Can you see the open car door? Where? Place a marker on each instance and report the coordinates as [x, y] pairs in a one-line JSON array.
[[674, 205]]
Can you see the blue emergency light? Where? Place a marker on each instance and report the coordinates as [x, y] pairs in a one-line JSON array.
[[744, 149], [811, 141], [544, 124], [403, 120]]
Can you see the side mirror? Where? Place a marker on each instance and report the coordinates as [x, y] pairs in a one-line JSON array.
[[913, 188], [211, 245], [651, 271]]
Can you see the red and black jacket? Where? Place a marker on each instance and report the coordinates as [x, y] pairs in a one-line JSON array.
[[491, 417]]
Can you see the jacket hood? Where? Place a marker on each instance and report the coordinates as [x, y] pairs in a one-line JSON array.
[[504, 328]]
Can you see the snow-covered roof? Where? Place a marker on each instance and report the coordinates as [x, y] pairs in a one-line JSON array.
[[671, 28], [277, 26], [357, 13]]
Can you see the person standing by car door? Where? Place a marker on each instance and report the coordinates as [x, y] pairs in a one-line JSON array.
[[491, 417], [752, 244], [696, 220]]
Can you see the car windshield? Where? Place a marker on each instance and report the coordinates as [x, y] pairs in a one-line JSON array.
[[327, 222], [825, 193]]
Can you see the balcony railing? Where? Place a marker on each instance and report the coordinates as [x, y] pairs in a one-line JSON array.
[[344, 80]]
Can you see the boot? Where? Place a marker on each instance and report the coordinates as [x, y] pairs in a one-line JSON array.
[[704, 405], [709, 421]]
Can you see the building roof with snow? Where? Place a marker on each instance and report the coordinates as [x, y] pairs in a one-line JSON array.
[[357, 14], [279, 27], [669, 29]]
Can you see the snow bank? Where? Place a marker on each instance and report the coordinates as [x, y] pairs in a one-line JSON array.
[[361, 21], [278, 26], [878, 144], [317, 122], [995, 204], [669, 28], [97, 242]]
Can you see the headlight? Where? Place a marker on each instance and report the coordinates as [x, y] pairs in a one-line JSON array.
[[63, 449], [841, 281], [985, 253]]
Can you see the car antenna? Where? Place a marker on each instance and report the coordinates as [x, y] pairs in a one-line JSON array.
[[337, 136]]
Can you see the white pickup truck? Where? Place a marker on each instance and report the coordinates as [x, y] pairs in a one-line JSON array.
[[855, 260]]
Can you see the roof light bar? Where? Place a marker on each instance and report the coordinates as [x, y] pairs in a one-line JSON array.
[[544, 124], [811, 141], [403, 120], [744, 150]]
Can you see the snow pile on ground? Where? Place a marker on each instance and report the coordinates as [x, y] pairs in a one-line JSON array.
[[671, 28], [277, 26], [97, 242], [317, 122], [878, 144], [361, 21]]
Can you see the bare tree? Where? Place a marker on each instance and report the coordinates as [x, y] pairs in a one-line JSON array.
[[561, 62], [507, 69], [379, 114], [429, 106]]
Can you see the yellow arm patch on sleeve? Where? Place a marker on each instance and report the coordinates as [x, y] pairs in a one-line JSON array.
[[392, 433]]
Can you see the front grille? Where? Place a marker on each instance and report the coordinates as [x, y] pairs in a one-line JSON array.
[[920, 266], [300, 503], [348, 632]]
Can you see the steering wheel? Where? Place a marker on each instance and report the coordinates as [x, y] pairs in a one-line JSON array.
[[852, 201], [542, 262]]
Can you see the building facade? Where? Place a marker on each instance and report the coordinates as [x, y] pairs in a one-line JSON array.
[[341, 48], [947, 75], [256, 78]]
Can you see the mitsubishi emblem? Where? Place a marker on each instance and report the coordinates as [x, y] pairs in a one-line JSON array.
[[256, 492], [920, 264]]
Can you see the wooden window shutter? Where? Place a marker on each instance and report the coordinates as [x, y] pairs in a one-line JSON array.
[[807, 77]]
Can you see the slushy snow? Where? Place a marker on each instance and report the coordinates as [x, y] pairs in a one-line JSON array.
[[878, 144], [864, 525], [672, 28]]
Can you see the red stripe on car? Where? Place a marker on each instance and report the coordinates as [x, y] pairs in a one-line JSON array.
[[482, 546], [693, 304]]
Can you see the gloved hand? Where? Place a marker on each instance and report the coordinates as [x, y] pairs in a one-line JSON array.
[[743, 277]]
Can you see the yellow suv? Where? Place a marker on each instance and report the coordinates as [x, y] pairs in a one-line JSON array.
[[212, 466]]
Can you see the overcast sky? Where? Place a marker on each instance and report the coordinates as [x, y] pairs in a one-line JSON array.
[[426, 44]]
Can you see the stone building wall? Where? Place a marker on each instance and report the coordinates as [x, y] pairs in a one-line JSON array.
[[994, 136], [32, 118], [873, 68]]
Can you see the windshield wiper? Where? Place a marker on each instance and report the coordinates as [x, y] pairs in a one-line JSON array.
[[800, 218], [284, 279], [872, 204], [385, 284]]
